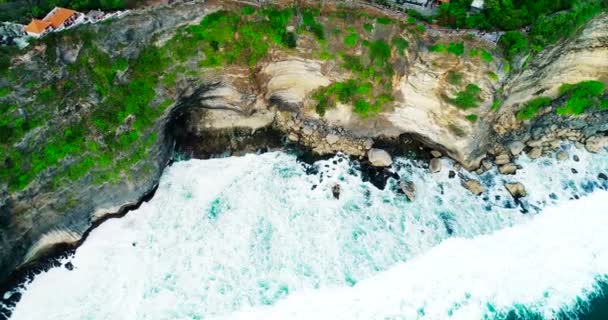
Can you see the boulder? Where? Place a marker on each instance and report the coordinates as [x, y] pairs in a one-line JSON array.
[[307, 130], [486, 164], [474, 186], [516, 147], [561, 155], [379, 158], [595, 144], [335, 190], [502, 159], [516, 189], [332, 138], [293, 137], [507, 169], [436, 154], [409, 189], [435, 165], [535, 153]]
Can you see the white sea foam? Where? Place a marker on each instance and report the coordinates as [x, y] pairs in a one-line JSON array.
[[257, 237]]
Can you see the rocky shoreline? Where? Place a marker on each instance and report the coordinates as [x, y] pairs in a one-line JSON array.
[[240, 109]]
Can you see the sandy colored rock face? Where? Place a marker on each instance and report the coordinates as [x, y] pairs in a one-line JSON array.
[[596, 143], [292, 80], [517, 190], [379, 158]]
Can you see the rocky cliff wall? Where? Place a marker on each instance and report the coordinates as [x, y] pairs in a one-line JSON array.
[[230, 107]]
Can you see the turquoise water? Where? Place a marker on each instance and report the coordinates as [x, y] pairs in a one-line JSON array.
[[256, 237]]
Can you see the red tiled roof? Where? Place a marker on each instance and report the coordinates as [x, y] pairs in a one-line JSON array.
[[37, 26], [60, 16]]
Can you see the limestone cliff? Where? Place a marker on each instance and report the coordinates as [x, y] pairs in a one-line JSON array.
[[426, 80]]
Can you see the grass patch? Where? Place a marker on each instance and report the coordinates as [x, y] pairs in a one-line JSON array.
[[351, 40], [493, 76], [4, 92], [455, 48], [467, 99], [532, 107], [401, 44], [483, 54], [472, 117], [581, 97], [368, 27], [496, 104], [454, 77], [384, 20]]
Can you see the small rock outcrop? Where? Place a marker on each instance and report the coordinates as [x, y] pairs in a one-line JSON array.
[[516, 147], [436, 154], [535, 153], [409, 189], [516, 189], [502, 159], [335, 191], [561, 156], [507, 169], [595, 144], [474, 186], [435, 165], [379, 158]]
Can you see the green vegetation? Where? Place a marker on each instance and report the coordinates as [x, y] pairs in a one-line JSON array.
[[496, 104], [549, 20], [401, 45], [514, 43], [351, 39], [311, 24], [454, 77], [455, 48], [578, 98], [493, 76], [384, 20], [581, 97], [4, 92], [368, 27], [467, 99], [532, 107], [472, 117], [482, 53]]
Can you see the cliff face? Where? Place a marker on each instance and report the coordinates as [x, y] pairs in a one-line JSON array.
[[443, 88]]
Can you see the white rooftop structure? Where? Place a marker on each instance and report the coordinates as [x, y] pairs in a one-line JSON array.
[[477, 4]]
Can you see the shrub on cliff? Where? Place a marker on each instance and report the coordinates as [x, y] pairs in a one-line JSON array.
[[532, 107], [467, 99], [581, 97]]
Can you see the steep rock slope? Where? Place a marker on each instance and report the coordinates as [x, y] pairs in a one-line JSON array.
[[382, 78]]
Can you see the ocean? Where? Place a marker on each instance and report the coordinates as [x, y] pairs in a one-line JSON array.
[[262, 237]]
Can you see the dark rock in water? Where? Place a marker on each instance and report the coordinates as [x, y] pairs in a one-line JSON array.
[[134, 244], [409, 189], [335, 190], [69, 266], [451, 174], [553, 196], [574, 171], [602, 176], [576, 158], [377, 176], [314, 186]]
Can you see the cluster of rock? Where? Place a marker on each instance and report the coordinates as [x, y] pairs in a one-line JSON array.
[[324, 139]]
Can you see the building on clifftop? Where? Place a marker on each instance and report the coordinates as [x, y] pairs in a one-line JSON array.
[[57, 19]]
